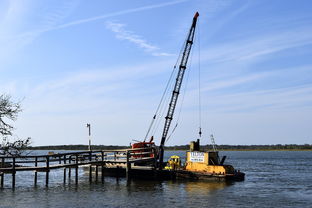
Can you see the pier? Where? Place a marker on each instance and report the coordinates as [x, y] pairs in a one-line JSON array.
[[114, 162]]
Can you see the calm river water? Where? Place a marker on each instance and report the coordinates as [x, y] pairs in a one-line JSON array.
[[273, 179]]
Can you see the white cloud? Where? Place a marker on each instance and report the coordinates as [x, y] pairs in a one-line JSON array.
[[285, 99], [252, 49], [228, 83], [123, 12], [123, 34], [16, 32], [20, 27], [163, 54]]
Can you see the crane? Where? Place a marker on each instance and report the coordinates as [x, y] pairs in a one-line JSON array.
[[176, 90]]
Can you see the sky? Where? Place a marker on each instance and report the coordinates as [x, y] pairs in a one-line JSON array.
[[107, 63]]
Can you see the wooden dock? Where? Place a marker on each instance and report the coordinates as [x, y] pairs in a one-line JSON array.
[[95, 161]]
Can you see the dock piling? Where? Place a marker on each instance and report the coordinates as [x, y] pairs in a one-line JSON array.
[[47, 170], [1, 173], [76, 170], [64, 179], [69, 168], [90, 173], [128, 165], [2, 179], [103, 164], [36, 173], [13, 172], [96, 173], [90, 167]]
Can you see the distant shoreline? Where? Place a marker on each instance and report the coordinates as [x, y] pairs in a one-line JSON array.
[[227, 150], [278, 147]]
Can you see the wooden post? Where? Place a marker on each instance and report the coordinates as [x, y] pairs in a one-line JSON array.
[[155, 158], [96, 173], [2, 179], [64, 170], [102, 156], [90, 173], [69, 168], [103, 164], [36, 173], [76, 167], [13, 173], [47, 170], [90, 167], [128, 167], [117, 169], [102, 174], [2, 174]]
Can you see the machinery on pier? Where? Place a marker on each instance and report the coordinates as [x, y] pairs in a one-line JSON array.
[[177, 86], [199, 164], [174, 98]]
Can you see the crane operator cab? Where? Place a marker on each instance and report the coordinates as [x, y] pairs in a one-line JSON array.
[[173, 163]]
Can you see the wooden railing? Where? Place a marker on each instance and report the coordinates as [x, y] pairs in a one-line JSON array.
[[72, 160]]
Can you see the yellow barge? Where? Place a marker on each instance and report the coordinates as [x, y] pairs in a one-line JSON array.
[[203, 165]]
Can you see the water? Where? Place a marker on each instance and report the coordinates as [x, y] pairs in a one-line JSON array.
[[273, 179]]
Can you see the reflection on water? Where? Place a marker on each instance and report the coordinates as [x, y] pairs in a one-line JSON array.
[[197, 187], [204, 187], [189, 187]]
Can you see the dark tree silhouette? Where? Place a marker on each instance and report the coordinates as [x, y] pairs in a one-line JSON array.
[[8, 112]]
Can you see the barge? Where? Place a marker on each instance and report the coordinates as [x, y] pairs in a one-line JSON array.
[[203, 165]]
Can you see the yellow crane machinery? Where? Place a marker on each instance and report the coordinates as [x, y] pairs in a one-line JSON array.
[[173, 163]]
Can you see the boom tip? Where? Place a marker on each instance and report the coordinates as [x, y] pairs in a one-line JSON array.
[[196, 15]]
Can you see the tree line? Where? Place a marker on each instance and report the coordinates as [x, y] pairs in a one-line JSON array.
[[248, 147], [180, 147]]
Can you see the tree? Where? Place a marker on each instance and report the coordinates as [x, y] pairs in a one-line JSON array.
[[9, 111]]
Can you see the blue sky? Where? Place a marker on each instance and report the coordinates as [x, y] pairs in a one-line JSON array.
[[107, 63]]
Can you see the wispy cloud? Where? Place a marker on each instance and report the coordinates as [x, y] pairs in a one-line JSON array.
[[233, 82], [247, 93], [123, 34], [17, 29], [270, 100], [251, 49], [94, 82], [123, 12], [12, 38]]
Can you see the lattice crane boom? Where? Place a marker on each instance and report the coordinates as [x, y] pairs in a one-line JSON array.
[[177, 86]]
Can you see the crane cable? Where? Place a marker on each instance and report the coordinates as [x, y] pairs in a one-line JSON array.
[[161, 103], [199, 86], [185, 87], [184, 92]]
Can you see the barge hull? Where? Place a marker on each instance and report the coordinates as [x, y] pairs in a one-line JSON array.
[[154, 174]]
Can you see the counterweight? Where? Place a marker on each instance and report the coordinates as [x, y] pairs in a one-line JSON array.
[[177, 86]]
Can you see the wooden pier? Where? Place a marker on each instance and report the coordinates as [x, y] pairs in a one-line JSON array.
[[93, 160]]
